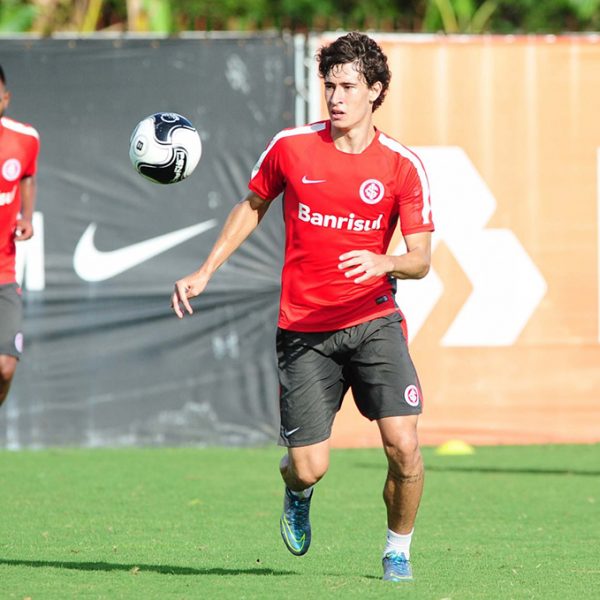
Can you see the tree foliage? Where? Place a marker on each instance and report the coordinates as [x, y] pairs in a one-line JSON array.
[[171, 16]]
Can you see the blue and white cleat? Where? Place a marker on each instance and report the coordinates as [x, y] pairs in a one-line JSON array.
[[295, 524], [396, 567]]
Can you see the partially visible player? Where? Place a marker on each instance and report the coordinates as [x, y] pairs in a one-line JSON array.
[[347, 186], [19, 147]]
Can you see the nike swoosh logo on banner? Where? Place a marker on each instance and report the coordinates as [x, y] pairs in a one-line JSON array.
[[92, 264], [305, 179]]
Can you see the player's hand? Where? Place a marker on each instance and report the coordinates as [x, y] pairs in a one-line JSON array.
[[363, 264], [186, 288], [23, 230]]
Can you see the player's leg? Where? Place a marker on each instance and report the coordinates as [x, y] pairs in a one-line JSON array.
[[386, 389], [11, 338], [302, 467], [404, 483], [8, 366], [311, 388], [402, 492]]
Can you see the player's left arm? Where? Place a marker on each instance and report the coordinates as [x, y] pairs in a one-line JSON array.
[[28, 190], [413, 264]]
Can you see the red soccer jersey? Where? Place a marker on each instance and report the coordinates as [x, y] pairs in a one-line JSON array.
[[19, 146], [335, 202]]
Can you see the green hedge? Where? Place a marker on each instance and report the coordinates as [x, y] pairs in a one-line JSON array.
[[469, 16], [505, 16]]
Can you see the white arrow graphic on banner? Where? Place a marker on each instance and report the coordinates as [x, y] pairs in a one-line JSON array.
[[507, 286]]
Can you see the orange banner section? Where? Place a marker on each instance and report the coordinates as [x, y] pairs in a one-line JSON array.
[[505, 329]]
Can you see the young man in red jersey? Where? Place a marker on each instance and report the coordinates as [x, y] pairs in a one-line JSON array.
[[19, 147], [346, 187]]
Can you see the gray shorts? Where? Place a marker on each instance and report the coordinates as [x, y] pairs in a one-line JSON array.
[[11, 316], [317, 369]]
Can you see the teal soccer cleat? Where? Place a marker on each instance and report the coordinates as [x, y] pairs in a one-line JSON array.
[[295, 524], [396, 567]]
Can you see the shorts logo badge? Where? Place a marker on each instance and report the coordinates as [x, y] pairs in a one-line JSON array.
[[11, 169], [286, 434], [371, 191], [19, 342], [412, 395]]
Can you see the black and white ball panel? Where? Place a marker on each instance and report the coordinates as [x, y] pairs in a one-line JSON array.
[[165, 124], [165, 147]]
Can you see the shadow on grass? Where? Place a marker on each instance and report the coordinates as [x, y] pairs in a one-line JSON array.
[[512, 471], [506, 470], [140, 568]]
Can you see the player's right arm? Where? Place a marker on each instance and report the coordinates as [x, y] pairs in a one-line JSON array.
[[241, 222], [24, 228]]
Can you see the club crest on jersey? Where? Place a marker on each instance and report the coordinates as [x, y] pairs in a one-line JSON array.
[[11, 169], [371, 191]]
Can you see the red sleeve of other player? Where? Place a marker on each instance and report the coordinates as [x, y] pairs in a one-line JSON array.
[[33, 148]]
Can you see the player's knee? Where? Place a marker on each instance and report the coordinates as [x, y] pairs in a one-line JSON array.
[[310, 471], [404, 455], [306, 478]]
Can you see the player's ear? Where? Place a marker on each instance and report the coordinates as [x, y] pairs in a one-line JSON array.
[[374, 91]]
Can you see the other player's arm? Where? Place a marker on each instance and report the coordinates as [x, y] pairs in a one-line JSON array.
[[241, 222], [24, 229], [414, 264]]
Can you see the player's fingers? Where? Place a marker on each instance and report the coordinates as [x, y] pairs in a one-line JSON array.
[[359, 270], [185, 293], [175, 305], [351, 254], [180, 297], [23, 231], [363, 277], [353, 258], [350, 262]]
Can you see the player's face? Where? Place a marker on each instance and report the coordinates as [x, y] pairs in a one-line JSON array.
[[4, 98], [349, 98]]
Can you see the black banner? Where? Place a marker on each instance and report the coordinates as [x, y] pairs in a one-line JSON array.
[[106, 363]]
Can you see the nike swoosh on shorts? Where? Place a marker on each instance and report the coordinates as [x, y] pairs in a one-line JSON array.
[[92, 264]]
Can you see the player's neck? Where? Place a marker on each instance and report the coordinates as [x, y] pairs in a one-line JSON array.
[[353, 140]]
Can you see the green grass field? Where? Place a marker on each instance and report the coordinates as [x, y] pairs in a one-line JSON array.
[[506, 522]]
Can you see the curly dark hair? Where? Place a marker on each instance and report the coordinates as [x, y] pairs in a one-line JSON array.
[[357, 48], [2, 77]]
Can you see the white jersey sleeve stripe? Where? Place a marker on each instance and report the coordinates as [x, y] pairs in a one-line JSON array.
[[313, 128], [414, 159], [19, 127]]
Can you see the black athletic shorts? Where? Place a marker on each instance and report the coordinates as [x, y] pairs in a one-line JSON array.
[[11, 314], [316, 370]]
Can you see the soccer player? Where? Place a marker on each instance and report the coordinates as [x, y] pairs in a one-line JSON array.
[[19, 147], [346, 187]]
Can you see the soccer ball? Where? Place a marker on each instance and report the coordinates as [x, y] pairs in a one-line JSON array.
[[165, 147]]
